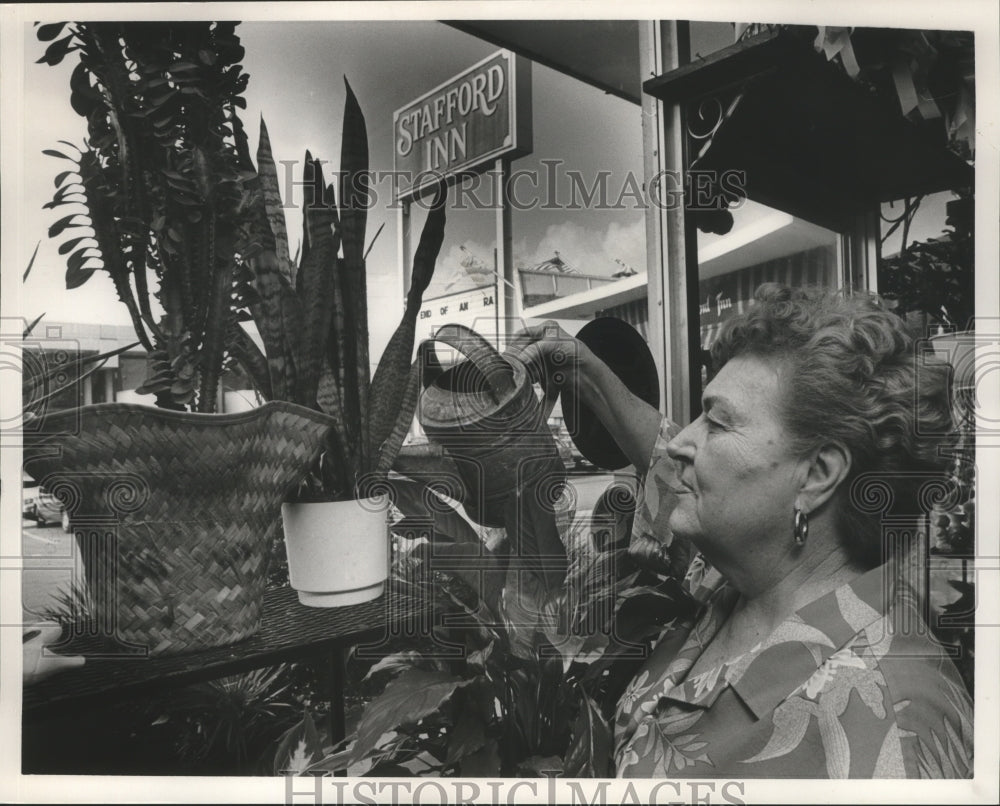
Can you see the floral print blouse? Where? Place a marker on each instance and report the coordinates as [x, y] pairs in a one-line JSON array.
[[853, 685]]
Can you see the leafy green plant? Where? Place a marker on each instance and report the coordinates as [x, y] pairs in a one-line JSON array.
[[935, 277], [156, 191], [229, 725], [524, 683], [932, 284]]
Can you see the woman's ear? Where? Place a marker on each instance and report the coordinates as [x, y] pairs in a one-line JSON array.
[[827, 469]]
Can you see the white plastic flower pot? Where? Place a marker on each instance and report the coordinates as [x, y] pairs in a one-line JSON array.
[[338, 552]]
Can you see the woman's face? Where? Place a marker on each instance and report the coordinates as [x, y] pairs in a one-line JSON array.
[[737, 478]]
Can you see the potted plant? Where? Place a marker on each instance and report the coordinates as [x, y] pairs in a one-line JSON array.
[[313, 322], [163, 196]]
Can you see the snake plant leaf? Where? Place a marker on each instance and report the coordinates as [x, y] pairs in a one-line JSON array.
[[268, 178], [249, 356], [341, 357], [355, 181], [394, 441], [328, 395], [267, 313], [292, 315], [388, 386], [428, 249], [355, 196], [307, 185], [341, 439], [374, 239], [316, 288]]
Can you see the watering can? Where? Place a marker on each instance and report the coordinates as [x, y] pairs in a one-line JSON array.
[[485, 414]]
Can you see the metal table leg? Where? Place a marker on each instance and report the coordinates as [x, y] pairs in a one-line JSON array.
[[334, 678]]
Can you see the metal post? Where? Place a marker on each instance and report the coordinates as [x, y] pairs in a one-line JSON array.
[[403, 250], [505, 257], [859, 253], [403, 244], [662, 47]]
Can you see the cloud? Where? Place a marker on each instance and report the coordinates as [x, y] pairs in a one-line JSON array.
[[452, 275], [589, 249]]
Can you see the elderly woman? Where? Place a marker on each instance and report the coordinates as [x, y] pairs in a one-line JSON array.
[[808, 657]]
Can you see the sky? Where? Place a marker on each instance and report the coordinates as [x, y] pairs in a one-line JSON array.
[[296, 74]]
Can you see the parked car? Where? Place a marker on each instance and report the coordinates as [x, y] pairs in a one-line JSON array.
[[39, 505]]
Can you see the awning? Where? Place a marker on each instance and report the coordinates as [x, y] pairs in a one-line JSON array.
[[602, 53], [810, 140]]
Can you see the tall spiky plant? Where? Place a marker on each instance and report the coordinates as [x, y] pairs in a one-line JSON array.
[[157, 188], [312, 317]]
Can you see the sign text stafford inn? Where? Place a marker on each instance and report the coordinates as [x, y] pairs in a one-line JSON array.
[[463, 125]]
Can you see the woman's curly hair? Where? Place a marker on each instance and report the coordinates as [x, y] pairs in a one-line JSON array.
[[851, 375]]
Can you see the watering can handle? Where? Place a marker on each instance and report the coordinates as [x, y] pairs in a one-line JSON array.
[[498, 371], [499, 376]]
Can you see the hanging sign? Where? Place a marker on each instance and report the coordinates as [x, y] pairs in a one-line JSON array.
[[464, 125], [475, 308]]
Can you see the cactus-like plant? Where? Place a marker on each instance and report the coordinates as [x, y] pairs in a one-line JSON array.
[[156, 191]]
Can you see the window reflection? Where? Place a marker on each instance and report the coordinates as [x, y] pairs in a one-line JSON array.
[[765, 245]]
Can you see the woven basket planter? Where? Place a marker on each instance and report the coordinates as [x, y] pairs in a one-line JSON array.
[[173, 512]]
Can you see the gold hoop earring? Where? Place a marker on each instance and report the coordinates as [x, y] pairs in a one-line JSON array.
[[800, 531]]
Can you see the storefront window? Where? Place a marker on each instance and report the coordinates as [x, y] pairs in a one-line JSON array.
[[578, 221], [765, 245]]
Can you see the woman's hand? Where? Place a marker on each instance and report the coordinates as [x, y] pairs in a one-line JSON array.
[[550, 353], [559, 361]]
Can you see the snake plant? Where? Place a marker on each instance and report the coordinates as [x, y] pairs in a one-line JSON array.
[[312, 316]]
